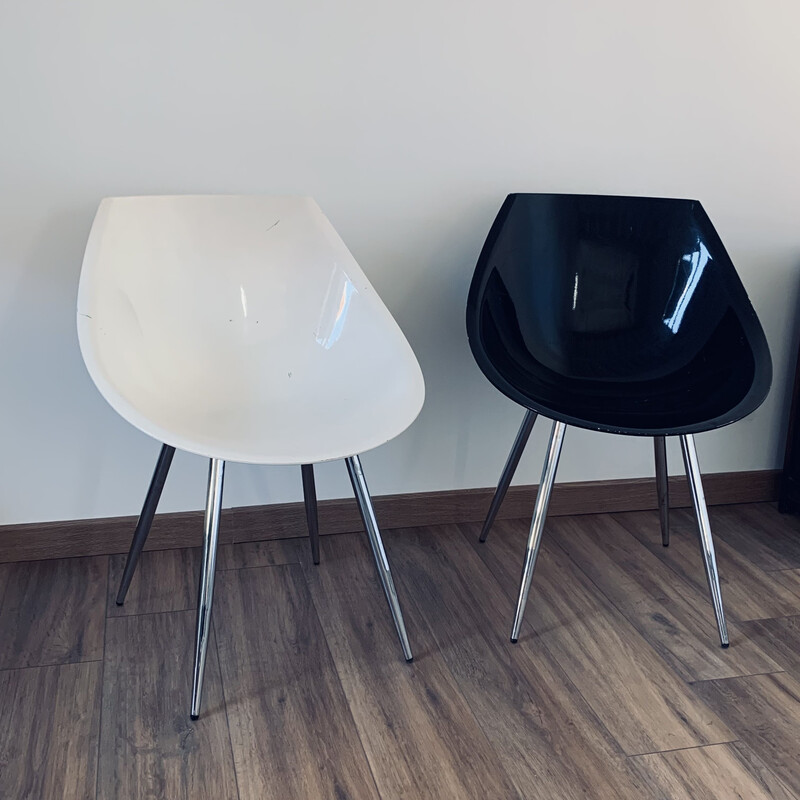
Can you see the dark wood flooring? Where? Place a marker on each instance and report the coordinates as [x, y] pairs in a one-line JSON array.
[[617, 689]]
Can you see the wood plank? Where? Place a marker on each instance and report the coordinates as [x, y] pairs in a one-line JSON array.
[[53, 612], [748, 592], [69, 538], [293, 735], [643, 704], [149, 745], [780, 638], [760, 533], [715, 771], [764, 712], [545, 735], [788, 579], [674, 617], [776, 788], [165, 580], [418, 731], [50, 730], [260, 554]]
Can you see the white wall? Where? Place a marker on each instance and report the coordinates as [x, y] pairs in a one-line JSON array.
[[409, 122]]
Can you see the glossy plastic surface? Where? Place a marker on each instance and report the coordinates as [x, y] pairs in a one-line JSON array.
[[620, 314], [241, 328]]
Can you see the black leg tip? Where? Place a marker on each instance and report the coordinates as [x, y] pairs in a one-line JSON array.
[[665, 544], [513, 640], [316, 562], [120, 602], [726, 645], [194, 717], [409, 660]]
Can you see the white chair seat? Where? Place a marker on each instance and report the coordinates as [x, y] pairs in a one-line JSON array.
[[241, 328]]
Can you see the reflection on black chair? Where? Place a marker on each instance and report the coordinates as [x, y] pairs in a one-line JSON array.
[[616, 314]]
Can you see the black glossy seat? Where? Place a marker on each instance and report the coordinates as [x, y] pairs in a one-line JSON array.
[[617, 314]]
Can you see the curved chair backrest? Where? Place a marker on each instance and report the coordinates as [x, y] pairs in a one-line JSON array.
[[621, 314], [241, 328]]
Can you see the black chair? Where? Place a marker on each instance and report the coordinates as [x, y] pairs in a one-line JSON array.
[[616, 314]]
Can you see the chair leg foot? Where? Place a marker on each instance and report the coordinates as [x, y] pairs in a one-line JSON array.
[[508, 471], [312, 517], [704, 529], [206, 596], [662, 486], [378, 551], [537, 525], [145, 519]]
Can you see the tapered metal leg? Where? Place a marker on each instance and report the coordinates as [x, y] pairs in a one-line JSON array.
[[216, 472], [662, 486], [371, 524], [537, 525], [508, 471], [704, 528], [145, 518], [310, 499]]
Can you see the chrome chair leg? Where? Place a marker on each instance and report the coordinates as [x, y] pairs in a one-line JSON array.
[[145, 519], [216, 473], [537, 525], [310, 500], [662, 486], [704, 529], [508, 471], [371, 524]]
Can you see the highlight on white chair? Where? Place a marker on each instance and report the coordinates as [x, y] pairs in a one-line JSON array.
[[241, 328]]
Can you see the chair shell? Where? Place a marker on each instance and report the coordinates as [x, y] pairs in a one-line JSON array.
[[618, 314], [241, 328]]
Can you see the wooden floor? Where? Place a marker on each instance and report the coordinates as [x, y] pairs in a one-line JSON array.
[[617, 688]]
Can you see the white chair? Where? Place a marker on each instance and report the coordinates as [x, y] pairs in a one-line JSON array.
[[242, 329]]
